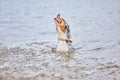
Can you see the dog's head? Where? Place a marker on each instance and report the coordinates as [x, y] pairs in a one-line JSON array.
[[60, 22], [58, 19]]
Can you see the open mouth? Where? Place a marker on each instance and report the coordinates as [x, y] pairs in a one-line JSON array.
[[58, 19]]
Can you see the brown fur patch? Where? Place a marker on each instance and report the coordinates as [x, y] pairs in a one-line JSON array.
[[62, 25]]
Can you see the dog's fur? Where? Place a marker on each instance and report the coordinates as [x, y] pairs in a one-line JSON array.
[[64, 42]]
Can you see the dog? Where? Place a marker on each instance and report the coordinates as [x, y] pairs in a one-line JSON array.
[[64, 39]]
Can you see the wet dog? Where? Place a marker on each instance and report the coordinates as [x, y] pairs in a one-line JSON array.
[[64, 38]]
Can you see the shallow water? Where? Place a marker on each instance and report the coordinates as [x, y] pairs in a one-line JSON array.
[[27, 34], [41, 64]]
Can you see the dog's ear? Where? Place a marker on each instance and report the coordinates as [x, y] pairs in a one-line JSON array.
[[68, 28]]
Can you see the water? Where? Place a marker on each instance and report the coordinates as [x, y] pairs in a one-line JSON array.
[[27, 34]]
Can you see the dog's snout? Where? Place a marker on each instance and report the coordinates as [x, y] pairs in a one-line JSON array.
[[58, 14]]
